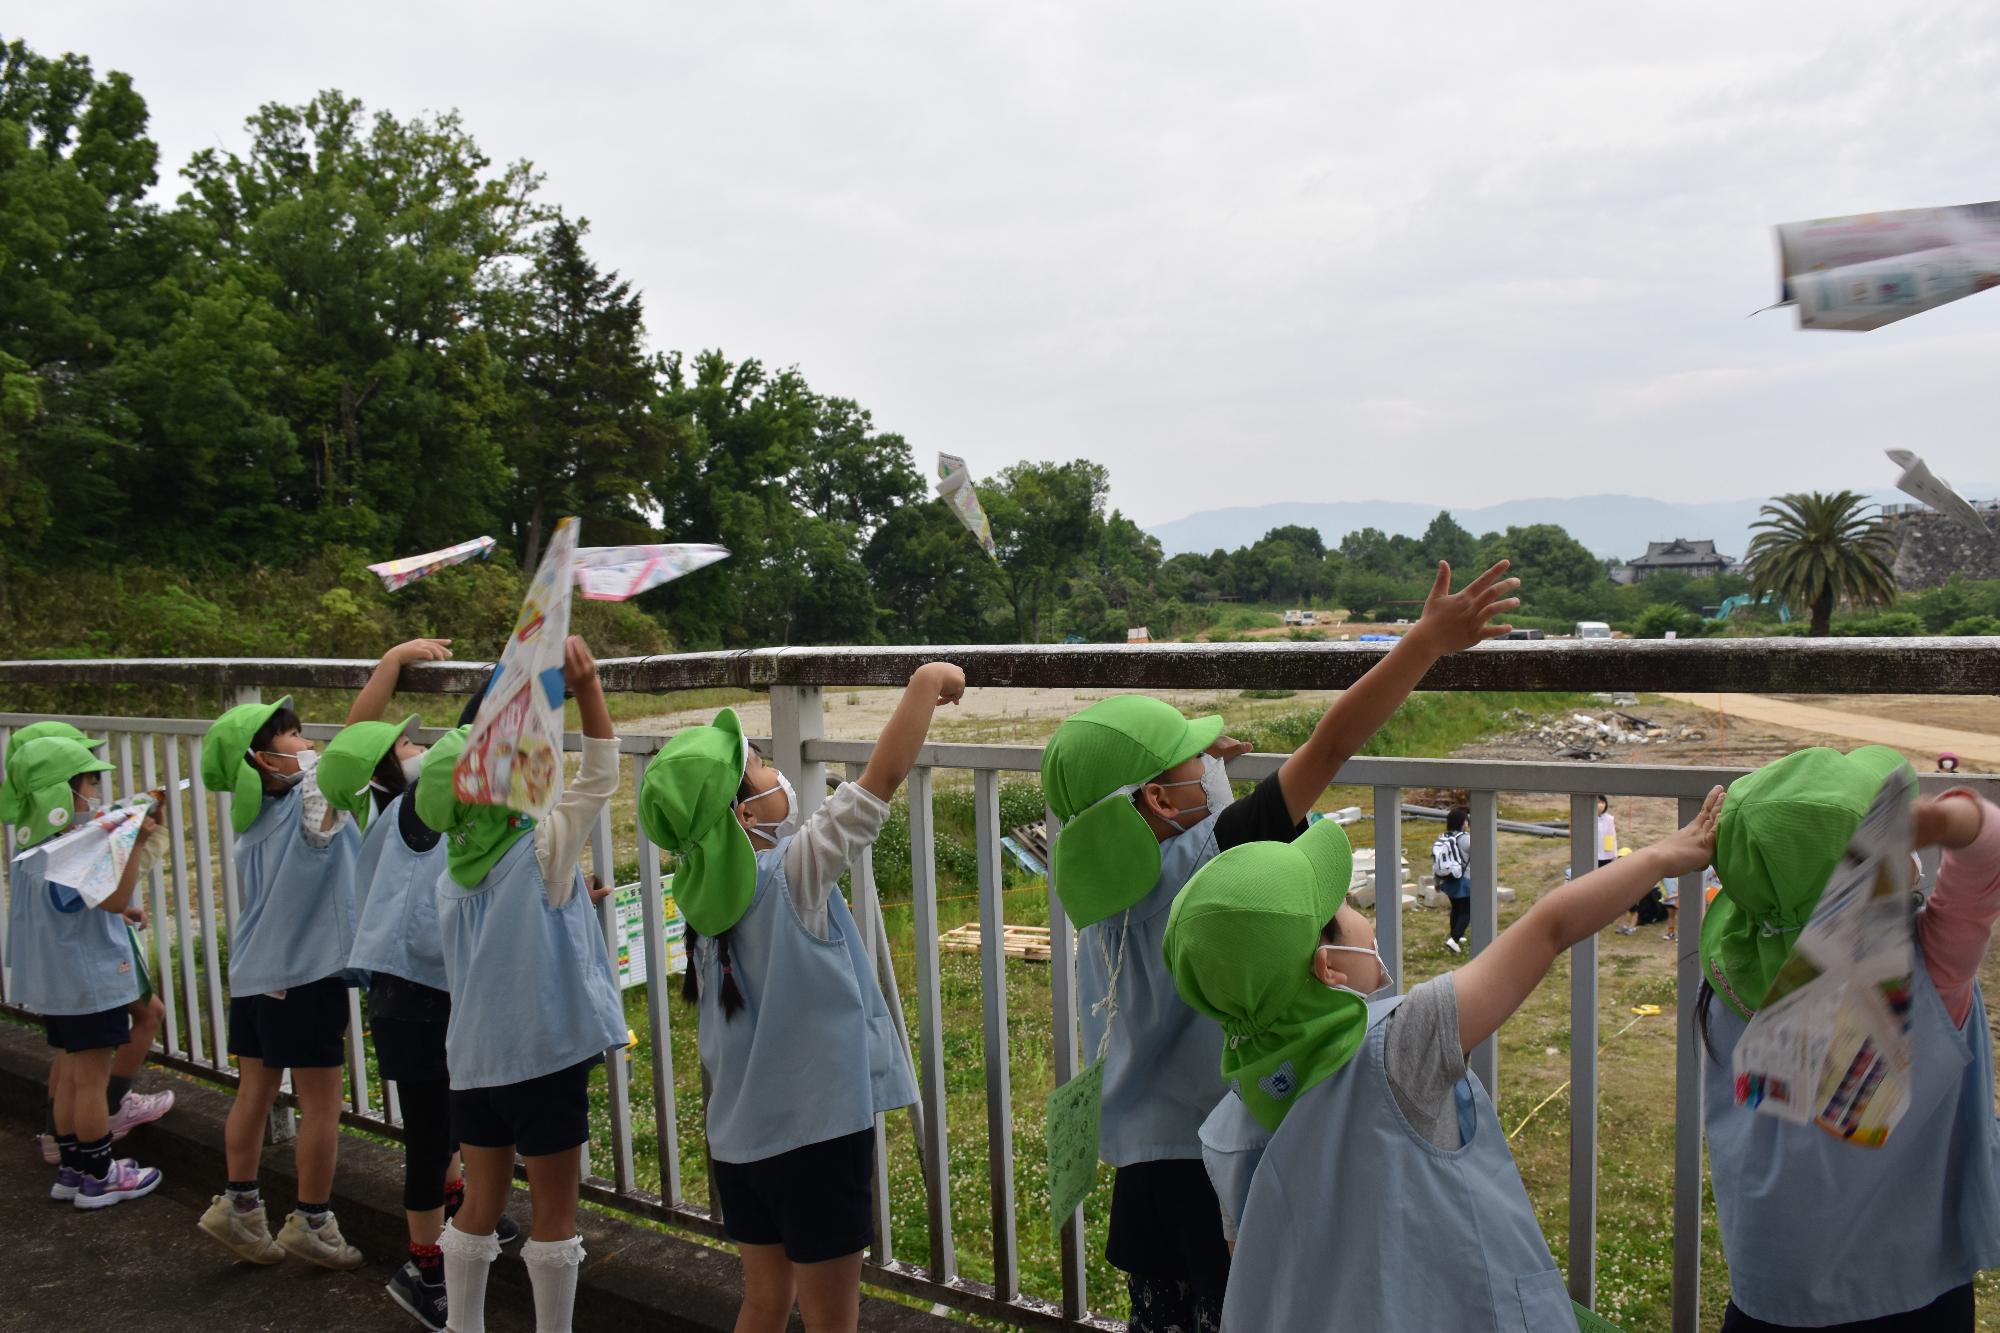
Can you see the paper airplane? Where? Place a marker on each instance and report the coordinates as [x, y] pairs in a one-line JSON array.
[[955, 489], [1920, 483], [402, 573], [1869, 269], [513, 757], [615, 573]]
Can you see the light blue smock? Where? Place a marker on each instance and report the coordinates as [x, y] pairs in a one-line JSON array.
[[531, 985], [1163, 1070], [296, 923], [1444, 1240], [68, 957], [1821, 1231], [813, 1053], [397, 888]]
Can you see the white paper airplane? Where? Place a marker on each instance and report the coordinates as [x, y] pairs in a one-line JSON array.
[[1920, 483]]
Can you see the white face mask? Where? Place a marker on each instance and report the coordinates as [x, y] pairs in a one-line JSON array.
[[305, 759], [413, 767], [1213, 780], [1387, 980], [92, 804], [775, 830]]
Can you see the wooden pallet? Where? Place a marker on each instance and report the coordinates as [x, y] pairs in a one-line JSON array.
[[1030, 943]]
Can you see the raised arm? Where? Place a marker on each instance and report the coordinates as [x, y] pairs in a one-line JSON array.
[[1451, 621], [373, 701], [1493, 985], [933, 684], [128, 879]]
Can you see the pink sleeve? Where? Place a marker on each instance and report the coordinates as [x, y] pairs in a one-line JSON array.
[[1957, 922]]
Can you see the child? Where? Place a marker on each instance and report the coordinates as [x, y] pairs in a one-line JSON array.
[[1818, 1232], [533, 1007], [129, 1109], [370, 771], [288, 996], [1607, 833], [74, 966], [1142, 791], [1451, 861], [796, 1039], [1353, 1147]]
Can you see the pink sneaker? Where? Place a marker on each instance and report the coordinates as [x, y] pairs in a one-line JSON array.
[[139, 1108]]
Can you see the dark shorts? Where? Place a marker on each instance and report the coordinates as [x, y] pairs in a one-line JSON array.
[[543, 1115], [302, 1031], [1952, 1312], [409, 1052], [90, 1032], [1166, 1224], [816, 1201]]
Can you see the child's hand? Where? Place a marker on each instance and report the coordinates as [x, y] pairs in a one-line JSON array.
[[419, 650], [948, 680], [1691, 848], [579, 667], [597, 889], [136, 914], [1227, 748], [1946, 821], [148, 826], [1454, 621]]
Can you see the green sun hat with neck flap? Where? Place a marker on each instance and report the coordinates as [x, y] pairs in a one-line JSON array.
[[225, 759], [475, 836], [36, 798], [1240, 944], [687, 804], [36, 731], [1781, 835], [1106, 856], [347, 769]]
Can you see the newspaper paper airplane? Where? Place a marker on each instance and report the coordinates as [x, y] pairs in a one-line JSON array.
[[1869, 269], [955, 489], [1920, 483], [402, 573], [615, 573]]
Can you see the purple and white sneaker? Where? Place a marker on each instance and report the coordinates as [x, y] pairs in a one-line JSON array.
[[139, 1108], [125, 1180], [67, 1184]]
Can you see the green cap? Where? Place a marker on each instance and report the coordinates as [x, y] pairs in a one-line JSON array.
[[1781, 835], [36, 731], [347, 769], [35, 797], [225, 759], [475, 836], [687, 804], [1240, 944], [1106, 857]]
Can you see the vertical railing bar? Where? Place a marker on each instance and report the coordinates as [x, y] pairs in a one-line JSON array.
[[930, 1026], [1062, 1004], [1485, 831], [874, 943], [798, 715], [618, 1072], [1583, 1072], [183, 916], [659, 988], [154, 927], [357, 1056], [157, 893], [1688, 1076], [6, 882], [204, 876], [393, 1102], [225, 855], [1389, 862], [999, 1082]]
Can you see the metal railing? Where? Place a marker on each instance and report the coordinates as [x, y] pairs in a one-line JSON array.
[[185, 899]]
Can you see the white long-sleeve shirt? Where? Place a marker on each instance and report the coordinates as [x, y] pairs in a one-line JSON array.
[[559, 838]]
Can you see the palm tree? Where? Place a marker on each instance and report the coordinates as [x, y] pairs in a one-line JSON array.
[[1813, 551]]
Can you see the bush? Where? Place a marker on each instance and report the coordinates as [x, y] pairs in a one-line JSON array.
[[1975, 625], [1888, 625], [1658, 619]]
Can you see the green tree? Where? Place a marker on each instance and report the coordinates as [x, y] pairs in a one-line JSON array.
[[1444, 539], [1547, 560], [932, 581], [1046, 517], [1816, 550]]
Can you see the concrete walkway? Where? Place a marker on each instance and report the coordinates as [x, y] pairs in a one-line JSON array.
[[143, 1265]]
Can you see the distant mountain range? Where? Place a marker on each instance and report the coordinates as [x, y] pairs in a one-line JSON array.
[[1614, 526]]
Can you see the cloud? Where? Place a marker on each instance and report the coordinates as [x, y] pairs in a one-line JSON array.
[[1237, 254]]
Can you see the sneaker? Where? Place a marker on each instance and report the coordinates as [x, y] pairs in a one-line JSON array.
[[424, 1301], [125, 1180], [68, 1182], [506, 1230], [1672, 936], [1451, 944], [1628, 930], [244, 1233], [322, 1245], [139, 1108]]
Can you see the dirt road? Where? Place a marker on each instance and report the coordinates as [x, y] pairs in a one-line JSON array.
[[1918, 740]]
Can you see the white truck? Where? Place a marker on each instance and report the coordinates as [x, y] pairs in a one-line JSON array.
[[1592, 629]]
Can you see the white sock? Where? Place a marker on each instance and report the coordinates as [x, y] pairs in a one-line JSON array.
[[467, 1261], [552, 1266]]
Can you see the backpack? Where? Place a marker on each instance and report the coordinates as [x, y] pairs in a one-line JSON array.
[[1447, 858]]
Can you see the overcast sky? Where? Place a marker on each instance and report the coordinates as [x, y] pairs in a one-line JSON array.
[[1237, 252]]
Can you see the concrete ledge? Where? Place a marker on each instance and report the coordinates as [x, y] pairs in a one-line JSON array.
[[643, 1278]]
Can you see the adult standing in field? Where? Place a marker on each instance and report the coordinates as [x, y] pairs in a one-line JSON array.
[[1607, 833]]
